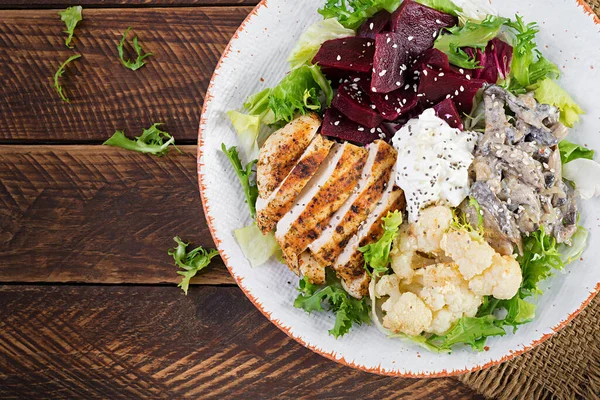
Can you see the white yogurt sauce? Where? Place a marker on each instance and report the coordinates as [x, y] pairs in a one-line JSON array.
[[433, 162]]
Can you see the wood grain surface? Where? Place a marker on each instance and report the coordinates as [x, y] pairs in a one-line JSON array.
[[105, 96], [72, 342], [121, 3], [98, 214]]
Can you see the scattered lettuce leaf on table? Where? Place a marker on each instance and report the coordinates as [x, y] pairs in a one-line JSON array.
[[139, 61], [352, 13], [59, 73], [151, 141], [311, 40], [190, 262], [472, 34], [348, 310], [377, 255], [71, 16]]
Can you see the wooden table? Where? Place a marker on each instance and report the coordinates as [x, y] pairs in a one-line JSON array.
[[89, 307]]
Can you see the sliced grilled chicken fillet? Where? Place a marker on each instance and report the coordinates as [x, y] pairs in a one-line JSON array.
[[281, 151], [349, 265], [369, 190], [270, 210], [324, 194]]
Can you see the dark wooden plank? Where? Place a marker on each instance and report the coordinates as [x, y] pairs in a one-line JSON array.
[[121, 3], [187, 43], [153, 342], [98, 214]]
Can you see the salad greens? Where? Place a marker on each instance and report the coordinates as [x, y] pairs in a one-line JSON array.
[[347, 309], [256, 246], [247, 126], [71, 16], [377, 255], [311, 40], [446, 6], [472, 34], [352, 13], [59, 72], [139, 61], [571, 151], [244, 175], [151, 141], [469, 330], [548, 92], [191, 262]]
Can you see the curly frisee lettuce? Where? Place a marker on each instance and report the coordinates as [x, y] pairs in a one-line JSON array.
[[190, 262], [151, 141], [59, 73], [71, 16], [377, 255], [139, 61]]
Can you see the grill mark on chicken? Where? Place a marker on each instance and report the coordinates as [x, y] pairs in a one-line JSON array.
[[271, 210], [281, 151]]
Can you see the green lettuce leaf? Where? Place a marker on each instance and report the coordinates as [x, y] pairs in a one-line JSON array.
[[377, 255], [469, 330], [59, 73], [540, 257], [151, 141], [348, 310], [472, 34], [571, 151], [244, 175], [190, 262], [548, 92], [257, 248], [352, 13], [446, 6], [309, 43], [247, 126], [139, 61], [568, 254], [71, 16]]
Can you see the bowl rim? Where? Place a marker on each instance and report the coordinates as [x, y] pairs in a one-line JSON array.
[[287, 330]]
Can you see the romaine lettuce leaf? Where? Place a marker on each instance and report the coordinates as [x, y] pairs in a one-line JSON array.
[[247, 126], [548, 92], [309, 43], [568, 254], [257, 248], [571, 151], [352, 13]]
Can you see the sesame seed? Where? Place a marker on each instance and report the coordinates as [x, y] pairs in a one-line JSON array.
[[462, 88], [339, 58], [398, 84], [441, 74], [360, 129], [336, 123], [383, 72], [410, 38], [388, 40], [425, 72], [371, 26]]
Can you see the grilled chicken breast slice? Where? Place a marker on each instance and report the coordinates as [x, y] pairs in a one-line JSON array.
[[270, 210], [346, 221], [349, 266], [325, 193], [281, 151]]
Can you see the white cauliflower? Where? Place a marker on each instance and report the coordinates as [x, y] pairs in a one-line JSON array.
[[440, 275], [502, 280], [472, 256]]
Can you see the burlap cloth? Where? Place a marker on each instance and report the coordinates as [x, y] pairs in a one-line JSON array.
[[566, 366]]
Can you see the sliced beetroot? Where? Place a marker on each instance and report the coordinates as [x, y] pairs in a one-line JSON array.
[[348, 54], [356, 105], [336, 125], [378, 23], [432, 58], [390, 63], [447, 111], [394, 104], [494, 61], [419, 25], [436, 86]]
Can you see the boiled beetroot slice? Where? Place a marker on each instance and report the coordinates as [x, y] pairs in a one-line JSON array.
[[390, 63], [394, 104], [378, 23], [419, 25], [356, 105], [447, 111], [436, 86], [336, 125], [348, 54], [434, 59]]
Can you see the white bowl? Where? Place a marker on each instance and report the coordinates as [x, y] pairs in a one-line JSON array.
[[256, 58]]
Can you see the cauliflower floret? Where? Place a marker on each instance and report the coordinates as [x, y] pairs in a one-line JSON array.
[[473, 257], [442, 321], [403, 254], [408, 315], [430, 228], [502, 280], [388, 285]]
